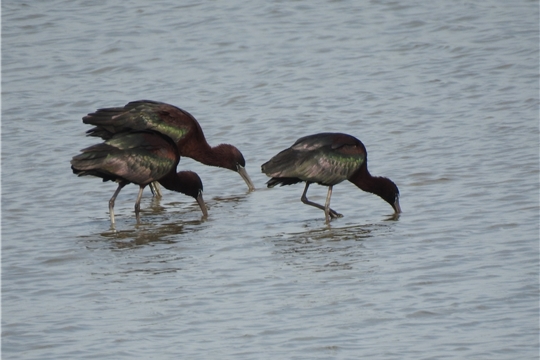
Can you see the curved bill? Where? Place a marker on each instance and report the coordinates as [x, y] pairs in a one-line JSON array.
[[243, 173], [396, 206], [201, 203]]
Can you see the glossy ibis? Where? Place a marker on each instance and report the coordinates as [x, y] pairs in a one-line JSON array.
[[328, 159], [174, 122], [138, 157]]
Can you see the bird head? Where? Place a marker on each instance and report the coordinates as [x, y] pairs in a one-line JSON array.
[[233, 159], [390, 193], [191, 185]]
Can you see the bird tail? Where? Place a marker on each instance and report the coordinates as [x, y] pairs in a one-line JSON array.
[[90, 160], [103, 116], [280, 164], [281, 168], [282, 181], [103, 120]]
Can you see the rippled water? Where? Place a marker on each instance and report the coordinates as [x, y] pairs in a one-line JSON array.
[[443, 94]]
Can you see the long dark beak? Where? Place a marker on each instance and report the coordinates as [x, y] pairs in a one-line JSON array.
[[243, 173], [201, 203]]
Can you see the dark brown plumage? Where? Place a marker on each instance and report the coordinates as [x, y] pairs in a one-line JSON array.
[[328, 159], [174, 122], [138, 157]]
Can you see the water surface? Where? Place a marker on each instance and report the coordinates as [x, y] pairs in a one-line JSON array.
[[443, 94]]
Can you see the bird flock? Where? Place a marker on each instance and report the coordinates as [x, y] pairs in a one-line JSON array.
[[144, 140]]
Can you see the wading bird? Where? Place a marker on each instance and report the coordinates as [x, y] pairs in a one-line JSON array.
[[174, 122], [138, 157], [328, 159]]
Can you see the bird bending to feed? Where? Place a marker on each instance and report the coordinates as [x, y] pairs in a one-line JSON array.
[[138, 157], [174, 122], [328, 159]]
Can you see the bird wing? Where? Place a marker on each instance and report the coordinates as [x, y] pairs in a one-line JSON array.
[[140, 115], [332, 140], [324, 158], [138, 157]]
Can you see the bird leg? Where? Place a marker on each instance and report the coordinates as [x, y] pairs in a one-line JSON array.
[[333, 214], [327, 204], [138, 204], [111, 202], [154, 187]]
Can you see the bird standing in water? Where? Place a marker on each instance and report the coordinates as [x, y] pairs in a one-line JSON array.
[[138, 157], [174, 122], [328, 159]]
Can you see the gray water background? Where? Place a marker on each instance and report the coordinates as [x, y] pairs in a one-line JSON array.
[[444, 94]]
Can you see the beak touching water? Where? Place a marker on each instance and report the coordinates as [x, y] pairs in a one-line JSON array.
[[201, 203], [396, 206], [243, 173]]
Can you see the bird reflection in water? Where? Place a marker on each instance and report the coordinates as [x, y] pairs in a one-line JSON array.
[[145, 234], [326, 248]]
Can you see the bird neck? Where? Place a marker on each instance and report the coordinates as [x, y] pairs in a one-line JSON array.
[[211, 156], [185, 182], [220, 155], [170, 182], [196, 147], [363, 179]]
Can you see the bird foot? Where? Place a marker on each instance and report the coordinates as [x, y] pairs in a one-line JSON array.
[[334, 214]]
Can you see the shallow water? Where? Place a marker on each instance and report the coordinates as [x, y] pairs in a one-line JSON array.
[[443, 95]]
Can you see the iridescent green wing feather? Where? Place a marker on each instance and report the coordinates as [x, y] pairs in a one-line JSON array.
[[136, 157], [140, 115], [326, 158], [335, 166]]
